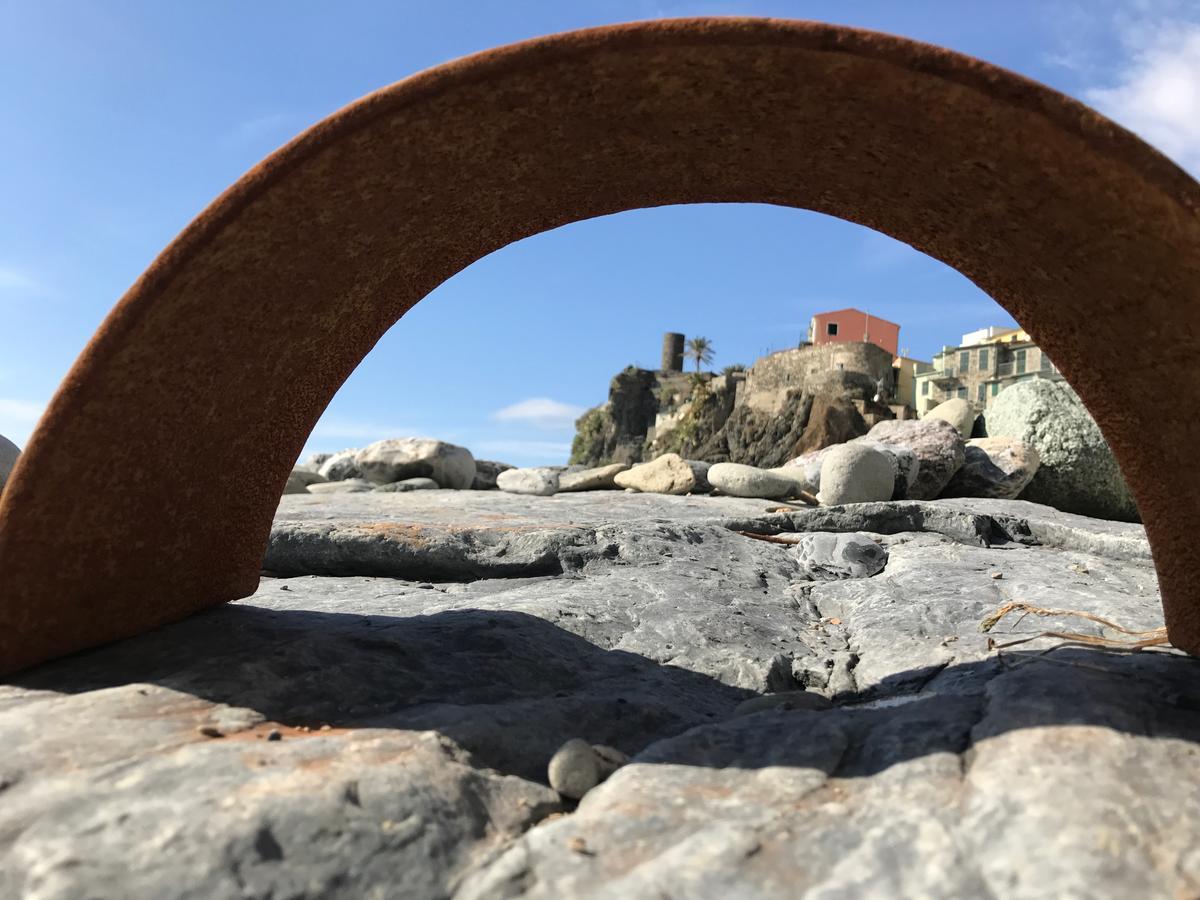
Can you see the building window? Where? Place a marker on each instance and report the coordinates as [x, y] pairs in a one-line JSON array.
[[983, 360], [995, 388], [831, 329], [981, 395], [1020, 357], [924, 388], [964, 360], [1046, 364], [962, 392]]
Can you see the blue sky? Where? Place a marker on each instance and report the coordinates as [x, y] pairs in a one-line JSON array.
[[123, 120]]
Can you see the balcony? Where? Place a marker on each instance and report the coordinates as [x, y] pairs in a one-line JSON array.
[[945, 376]]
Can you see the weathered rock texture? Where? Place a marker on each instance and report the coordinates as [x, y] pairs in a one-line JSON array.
[[995, 467], [937, 445], [856, 473], [1078, 472], [396, 459], [355, 736], [950, 155], [486, 471], [668, 474]]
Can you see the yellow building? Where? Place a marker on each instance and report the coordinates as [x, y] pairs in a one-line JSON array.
[[986, 362]]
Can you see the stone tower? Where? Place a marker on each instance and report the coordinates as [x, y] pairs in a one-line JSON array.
[[672, 352]]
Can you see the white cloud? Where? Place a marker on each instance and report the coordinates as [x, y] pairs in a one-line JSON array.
[[1157, 91], [541, 412]]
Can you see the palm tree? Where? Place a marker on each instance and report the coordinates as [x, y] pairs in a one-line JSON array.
[[701, 350]]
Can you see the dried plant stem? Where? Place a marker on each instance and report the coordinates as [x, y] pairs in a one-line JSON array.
[[1155, 637]]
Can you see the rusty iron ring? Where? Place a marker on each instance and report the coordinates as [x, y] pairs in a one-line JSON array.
[[148, 490]]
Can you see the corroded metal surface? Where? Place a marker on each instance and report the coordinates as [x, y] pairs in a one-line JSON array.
[[148, 489]]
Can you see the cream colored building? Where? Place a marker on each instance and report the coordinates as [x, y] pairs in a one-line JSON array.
[[986, 362]]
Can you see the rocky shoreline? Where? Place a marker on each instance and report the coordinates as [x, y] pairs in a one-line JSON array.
[[798, 719]]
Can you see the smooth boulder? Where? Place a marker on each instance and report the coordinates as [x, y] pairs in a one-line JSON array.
[[937, 445], [957, 412], [601, 478], [739, 480], [540, 482], [396, 459], [8, 458], [905, 465], [300, 479], [829, 556], [340, 466], [996, 468], [486, 471], [669, 474], [345, 486], [856, 473], [1078, 472]]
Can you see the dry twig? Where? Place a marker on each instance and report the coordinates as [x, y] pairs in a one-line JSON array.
[[1155, 637]]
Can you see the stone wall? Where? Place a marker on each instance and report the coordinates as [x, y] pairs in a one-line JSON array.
[[771, 378]]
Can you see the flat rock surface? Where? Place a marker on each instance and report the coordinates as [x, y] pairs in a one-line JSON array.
[[350, 735]]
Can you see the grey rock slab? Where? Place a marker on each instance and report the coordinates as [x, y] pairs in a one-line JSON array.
[[601, 478], [118, 793], [856, 473], [1067, 777], [994, 467], [540, 482], [396, 459], [1053, 528], [408, 484], [829, 556], [943, 768], [938, 446]]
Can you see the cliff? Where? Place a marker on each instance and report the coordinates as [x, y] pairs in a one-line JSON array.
[[788, 403]]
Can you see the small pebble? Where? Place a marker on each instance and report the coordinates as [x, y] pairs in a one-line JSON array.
[[997, 575], [284, 587], [325, 728]]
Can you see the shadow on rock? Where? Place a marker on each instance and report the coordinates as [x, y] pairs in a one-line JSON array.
[[511, 687]]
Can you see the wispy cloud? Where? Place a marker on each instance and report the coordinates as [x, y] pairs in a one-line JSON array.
[[273, 127], [1156, 92], [540, 412], [16, 279]]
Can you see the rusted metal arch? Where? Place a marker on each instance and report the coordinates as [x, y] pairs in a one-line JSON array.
[[148, 490]]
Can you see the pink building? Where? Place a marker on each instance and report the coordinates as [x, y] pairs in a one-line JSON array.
[[844, 325]]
